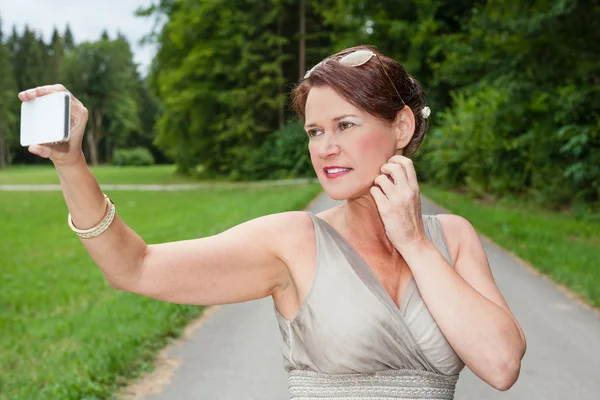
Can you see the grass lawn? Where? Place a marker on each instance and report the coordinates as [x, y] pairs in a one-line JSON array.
[[105, 174], [565, 249], [65, 333]]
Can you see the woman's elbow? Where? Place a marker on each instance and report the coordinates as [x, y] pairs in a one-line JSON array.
[[507, 373]]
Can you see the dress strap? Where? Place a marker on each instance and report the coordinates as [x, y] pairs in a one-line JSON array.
[[434, 232]]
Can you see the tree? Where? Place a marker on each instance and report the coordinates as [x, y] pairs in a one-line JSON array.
[[69, 40], [8, 99], [56, 53], [219, 72], [28, 62], [101, 76], [123, 115], [13, 43], [542, 58]]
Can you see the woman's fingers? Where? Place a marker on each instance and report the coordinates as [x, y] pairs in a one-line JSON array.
[[40, 150], [396, 171], [27, 95], [383, 181], [31, 94]]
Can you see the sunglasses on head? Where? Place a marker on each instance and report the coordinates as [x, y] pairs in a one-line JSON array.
[[356, 59]]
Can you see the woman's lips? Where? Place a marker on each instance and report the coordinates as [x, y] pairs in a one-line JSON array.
[[337, 172]]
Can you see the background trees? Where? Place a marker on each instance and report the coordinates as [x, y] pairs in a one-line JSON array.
[[102, 74], [513, 87]]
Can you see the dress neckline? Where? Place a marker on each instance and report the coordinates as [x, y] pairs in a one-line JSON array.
[[366, 274], [384, 294]]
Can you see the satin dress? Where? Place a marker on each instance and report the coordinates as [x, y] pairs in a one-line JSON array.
[[349, 340]]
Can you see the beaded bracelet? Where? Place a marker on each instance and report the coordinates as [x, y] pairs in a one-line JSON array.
[[98, 229]]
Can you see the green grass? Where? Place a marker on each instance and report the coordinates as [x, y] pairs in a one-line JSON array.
[[65, 334], [105, 174], [557, 244]]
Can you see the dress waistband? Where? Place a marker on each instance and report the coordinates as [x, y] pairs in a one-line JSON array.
[[389, 384]]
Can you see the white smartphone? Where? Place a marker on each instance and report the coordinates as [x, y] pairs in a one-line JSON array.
[[46, 119]]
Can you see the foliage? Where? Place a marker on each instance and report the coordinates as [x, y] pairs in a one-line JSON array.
[[513, 87], [104, 78], [222, 72], [525, 114], [102, 74], [218, 72], [139, 156], [8, 104], [283, 155]]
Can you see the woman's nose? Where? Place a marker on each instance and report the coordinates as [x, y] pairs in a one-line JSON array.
[[328, 145]]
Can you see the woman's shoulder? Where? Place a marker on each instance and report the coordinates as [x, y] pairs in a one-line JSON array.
[[290, 220], [453, 227], [288, 227]]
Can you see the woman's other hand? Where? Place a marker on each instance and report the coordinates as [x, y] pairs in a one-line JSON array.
[[399, 203], [66, 153]]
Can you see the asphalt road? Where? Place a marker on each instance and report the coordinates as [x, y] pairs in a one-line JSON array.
[[236, 352]]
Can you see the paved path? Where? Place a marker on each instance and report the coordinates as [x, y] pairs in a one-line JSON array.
[[236, 353]]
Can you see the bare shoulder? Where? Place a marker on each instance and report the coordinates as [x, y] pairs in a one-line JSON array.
[[292, 236], [288, 225], [456, 230], [296, 248], [471, 256], [285, 221], [295, 234], [453, 224]]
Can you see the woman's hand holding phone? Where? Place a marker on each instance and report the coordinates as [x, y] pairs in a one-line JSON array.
[[65, 153]]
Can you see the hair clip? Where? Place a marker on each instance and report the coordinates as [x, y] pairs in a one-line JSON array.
[[426, 111]]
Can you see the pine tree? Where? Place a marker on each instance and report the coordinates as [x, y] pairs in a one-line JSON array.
[[55, 57], [8, 100], [28, 62], [68, 38]]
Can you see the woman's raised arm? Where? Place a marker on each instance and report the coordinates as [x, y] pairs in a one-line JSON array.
[[239, 264]]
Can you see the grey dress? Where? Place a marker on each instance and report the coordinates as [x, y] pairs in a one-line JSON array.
[[349, 340]]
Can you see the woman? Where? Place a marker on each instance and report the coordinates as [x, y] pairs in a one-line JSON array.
[[373, 298]]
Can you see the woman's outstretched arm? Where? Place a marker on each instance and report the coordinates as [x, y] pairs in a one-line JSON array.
[[239, 264]]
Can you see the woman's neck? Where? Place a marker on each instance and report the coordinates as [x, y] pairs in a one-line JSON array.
[[360, 220]]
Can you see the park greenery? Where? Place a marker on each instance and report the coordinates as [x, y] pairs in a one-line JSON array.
[[66, 334], [513, 87], [101, 74]]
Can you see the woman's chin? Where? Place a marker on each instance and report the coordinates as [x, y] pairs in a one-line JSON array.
[[338, 196], [345, 194]]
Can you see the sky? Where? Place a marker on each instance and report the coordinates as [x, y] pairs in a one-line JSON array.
[[87, 19]]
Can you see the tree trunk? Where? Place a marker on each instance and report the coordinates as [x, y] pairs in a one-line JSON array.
[[3, 162], [281, 74], [94, 136], [92, 146], [98, 133], [302, 50]]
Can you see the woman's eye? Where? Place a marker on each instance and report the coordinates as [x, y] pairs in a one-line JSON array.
[[313, 132], [346, 125]]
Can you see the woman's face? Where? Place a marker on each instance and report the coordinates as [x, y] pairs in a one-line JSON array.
[[347, 145]]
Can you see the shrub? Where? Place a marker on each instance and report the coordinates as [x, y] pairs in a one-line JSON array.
[[284, 155], [138, 156]]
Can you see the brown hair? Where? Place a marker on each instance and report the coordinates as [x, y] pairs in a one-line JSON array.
[[368, 88]]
